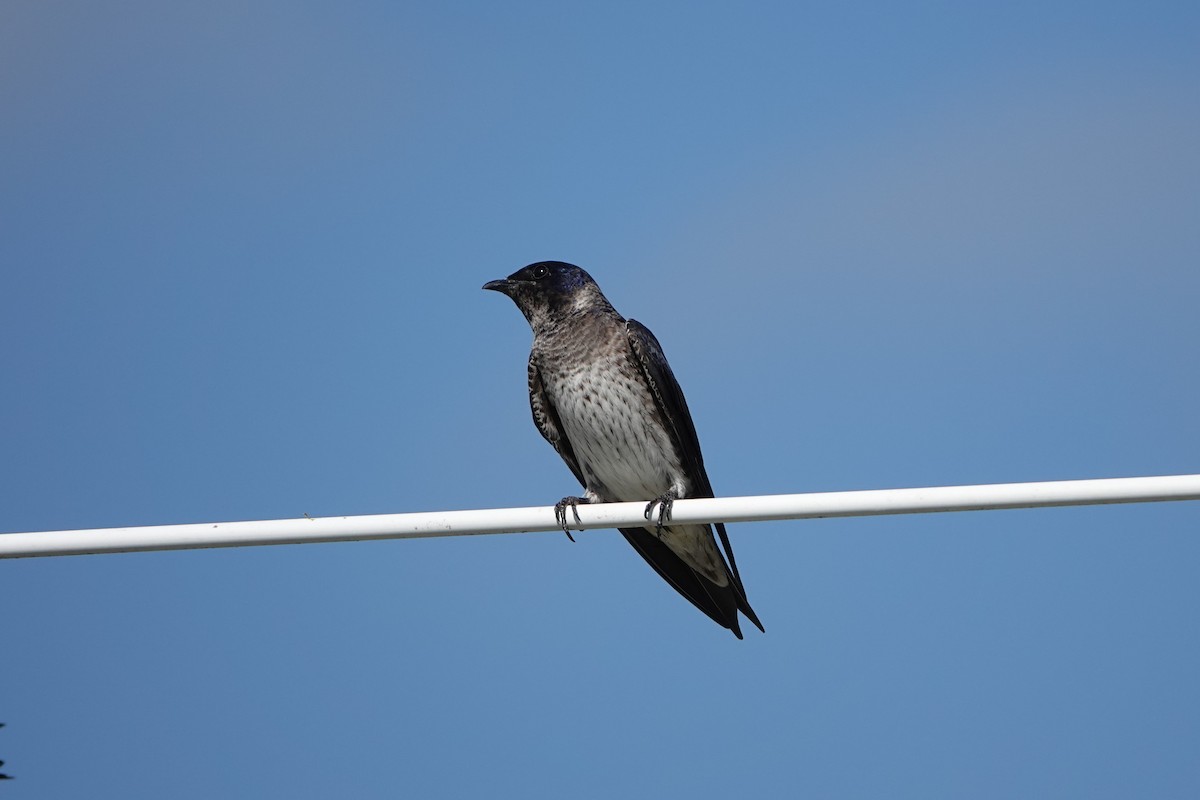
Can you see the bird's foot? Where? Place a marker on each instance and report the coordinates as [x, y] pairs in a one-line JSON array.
[[664, 501], [560, 512]]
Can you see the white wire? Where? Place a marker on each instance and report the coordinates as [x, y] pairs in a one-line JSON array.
[[608, 515]]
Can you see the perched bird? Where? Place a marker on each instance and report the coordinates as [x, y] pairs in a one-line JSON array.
[[605, 398]]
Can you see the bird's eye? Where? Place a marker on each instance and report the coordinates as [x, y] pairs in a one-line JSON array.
[[540, 271]]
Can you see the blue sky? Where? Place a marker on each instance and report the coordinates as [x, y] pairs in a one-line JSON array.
[[883, 245]]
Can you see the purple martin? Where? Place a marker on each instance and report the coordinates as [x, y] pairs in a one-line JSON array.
[[605, 398]]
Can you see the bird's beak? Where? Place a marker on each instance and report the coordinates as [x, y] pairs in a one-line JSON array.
[[504, 287]]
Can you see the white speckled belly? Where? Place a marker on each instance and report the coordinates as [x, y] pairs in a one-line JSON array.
[[610, 419]]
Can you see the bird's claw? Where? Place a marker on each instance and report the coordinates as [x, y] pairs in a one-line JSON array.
[[664, 501], [560, 512]]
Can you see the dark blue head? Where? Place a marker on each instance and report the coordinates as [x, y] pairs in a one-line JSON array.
[[549, 289]]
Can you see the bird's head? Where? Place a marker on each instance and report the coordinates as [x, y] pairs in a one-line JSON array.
[[550, 290]]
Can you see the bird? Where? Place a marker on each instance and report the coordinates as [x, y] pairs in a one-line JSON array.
[[605, 398]]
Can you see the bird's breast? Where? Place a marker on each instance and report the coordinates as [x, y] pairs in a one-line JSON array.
[[615, 429]]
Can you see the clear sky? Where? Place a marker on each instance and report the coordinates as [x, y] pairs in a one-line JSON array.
[[883, 245]]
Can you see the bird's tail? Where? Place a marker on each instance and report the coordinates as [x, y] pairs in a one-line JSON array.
[[720, 603], [740, 590]]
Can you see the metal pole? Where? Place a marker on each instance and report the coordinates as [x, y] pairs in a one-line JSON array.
[[609, 515]]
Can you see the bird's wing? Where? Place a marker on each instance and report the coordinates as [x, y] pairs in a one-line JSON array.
[[648, 354], [548, 424]]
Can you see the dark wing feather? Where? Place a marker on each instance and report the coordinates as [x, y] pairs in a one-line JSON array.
[[545, 417], [648, 354]]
